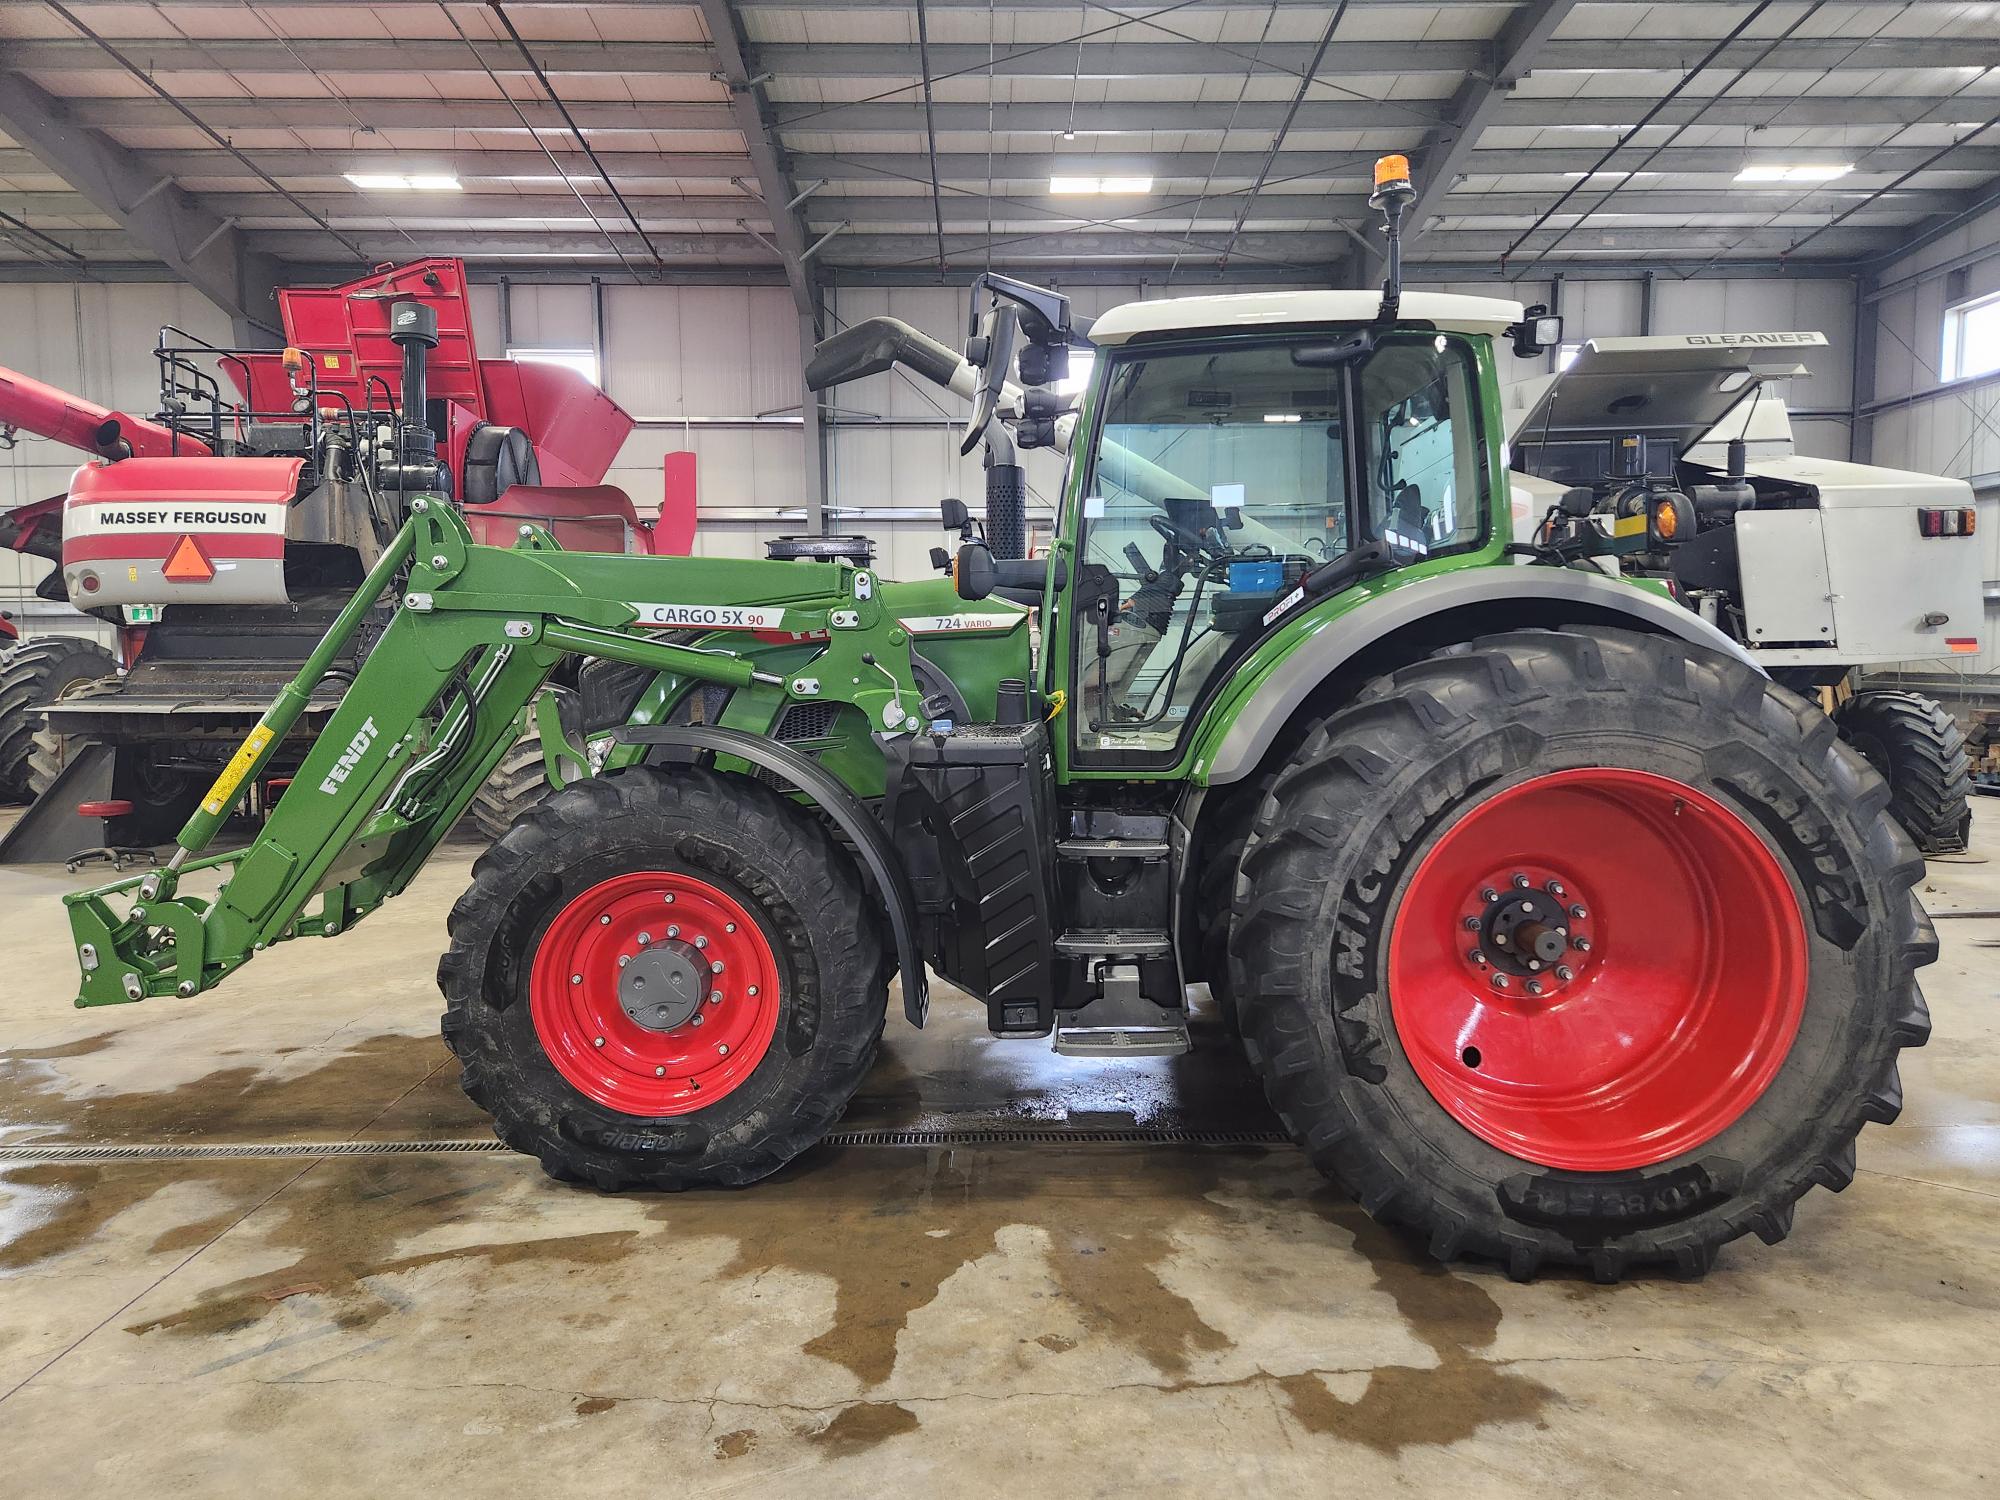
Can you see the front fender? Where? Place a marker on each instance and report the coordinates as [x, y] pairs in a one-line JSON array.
[[878, 856]]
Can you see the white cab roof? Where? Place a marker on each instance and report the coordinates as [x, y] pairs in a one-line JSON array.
[[1239, 311]]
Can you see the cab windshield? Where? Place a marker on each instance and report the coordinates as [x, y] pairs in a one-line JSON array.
[[1220, 477]]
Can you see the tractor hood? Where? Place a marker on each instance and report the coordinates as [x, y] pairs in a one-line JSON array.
[[1673, 385]]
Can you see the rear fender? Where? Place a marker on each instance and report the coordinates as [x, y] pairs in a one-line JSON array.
[[1406, 624]]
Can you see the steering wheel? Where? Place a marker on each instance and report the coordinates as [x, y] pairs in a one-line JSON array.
[[1187, 541]]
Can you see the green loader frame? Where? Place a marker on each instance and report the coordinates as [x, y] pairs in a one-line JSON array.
[[437, 703]]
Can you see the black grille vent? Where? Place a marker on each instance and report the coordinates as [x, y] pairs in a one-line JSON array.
[[808, 721]]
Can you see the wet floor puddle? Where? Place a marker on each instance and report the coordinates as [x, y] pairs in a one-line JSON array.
[[866, 1221]]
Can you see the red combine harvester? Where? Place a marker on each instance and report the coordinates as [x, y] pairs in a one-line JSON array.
[[221, 536]]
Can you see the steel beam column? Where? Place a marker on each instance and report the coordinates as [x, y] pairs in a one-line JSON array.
[[198, 245], [1448, 148], [751, 109]]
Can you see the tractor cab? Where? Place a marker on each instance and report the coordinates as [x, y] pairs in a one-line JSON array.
[[1240, 455]]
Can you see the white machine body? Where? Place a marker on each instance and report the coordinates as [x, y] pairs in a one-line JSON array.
[[1849, 577]]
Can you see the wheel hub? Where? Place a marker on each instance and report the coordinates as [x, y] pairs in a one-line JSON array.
[[663, 986], [1529, 930]]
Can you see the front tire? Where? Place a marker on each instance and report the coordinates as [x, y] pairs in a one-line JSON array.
[[763, 956], [1675, 817]]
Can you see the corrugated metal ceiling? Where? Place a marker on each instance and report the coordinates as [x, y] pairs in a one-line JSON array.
[[1254, 166]]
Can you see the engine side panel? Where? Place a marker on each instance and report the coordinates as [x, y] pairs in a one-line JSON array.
[[178, 531]]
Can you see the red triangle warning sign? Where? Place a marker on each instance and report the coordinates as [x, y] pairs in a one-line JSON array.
[[187, 563]]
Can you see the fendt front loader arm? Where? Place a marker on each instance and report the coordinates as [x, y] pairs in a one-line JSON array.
[[433, 708]]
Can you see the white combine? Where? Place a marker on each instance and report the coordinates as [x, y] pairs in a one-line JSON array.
[[1818, 566]]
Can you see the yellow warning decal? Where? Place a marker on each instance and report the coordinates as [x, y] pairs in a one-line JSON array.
[[1628, 525], [224, 791]]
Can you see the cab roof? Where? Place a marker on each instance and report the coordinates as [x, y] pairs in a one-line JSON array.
[[1235, 312]]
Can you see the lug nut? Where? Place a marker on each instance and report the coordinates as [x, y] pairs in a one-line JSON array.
[[697, 1018], [753, 991], [715, 997], [597, 1041], [1582, 945], [1555, 888], [1501, 981], [1472, 924], [674, 930], [1535, 963], [645, 938], [1565, 973], [722, 1049], [728, 926], [1520, 882], [624, 959], [1534, 986], [605, 920], [660, 1072], [576, 979], [701, 942], [670, 898], [1476, 957], [1489, 894], [716, 967], [1578, 912]]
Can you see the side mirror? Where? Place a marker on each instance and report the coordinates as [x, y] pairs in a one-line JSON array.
[[1538, 331], [977, 573], [992, 351], [1577, 501], [954, 515]]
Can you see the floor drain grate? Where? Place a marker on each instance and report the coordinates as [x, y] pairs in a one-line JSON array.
[[1055, 1136], [57, 1151]]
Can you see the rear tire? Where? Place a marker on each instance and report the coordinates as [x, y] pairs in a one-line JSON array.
[[1639, 733], [606, 869], [1918, 748], [34, 676]]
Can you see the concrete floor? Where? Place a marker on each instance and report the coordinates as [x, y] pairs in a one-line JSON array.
[[1088, 1320]]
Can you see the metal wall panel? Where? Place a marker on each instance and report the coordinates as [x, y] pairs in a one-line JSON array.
[[701, 351], [700, 363]]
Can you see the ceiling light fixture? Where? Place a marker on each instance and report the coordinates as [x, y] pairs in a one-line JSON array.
[[1079, 185], [403, 182], [1794, 171]]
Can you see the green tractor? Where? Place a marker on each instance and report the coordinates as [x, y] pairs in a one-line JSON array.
[[1557, 933]]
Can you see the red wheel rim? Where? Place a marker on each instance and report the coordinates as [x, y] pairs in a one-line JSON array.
[[677, 928], [1665, 941]]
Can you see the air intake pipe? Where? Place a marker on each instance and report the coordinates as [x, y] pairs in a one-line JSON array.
[[414, 328]]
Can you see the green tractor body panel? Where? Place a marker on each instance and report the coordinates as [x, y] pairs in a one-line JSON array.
[[826, 658]]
